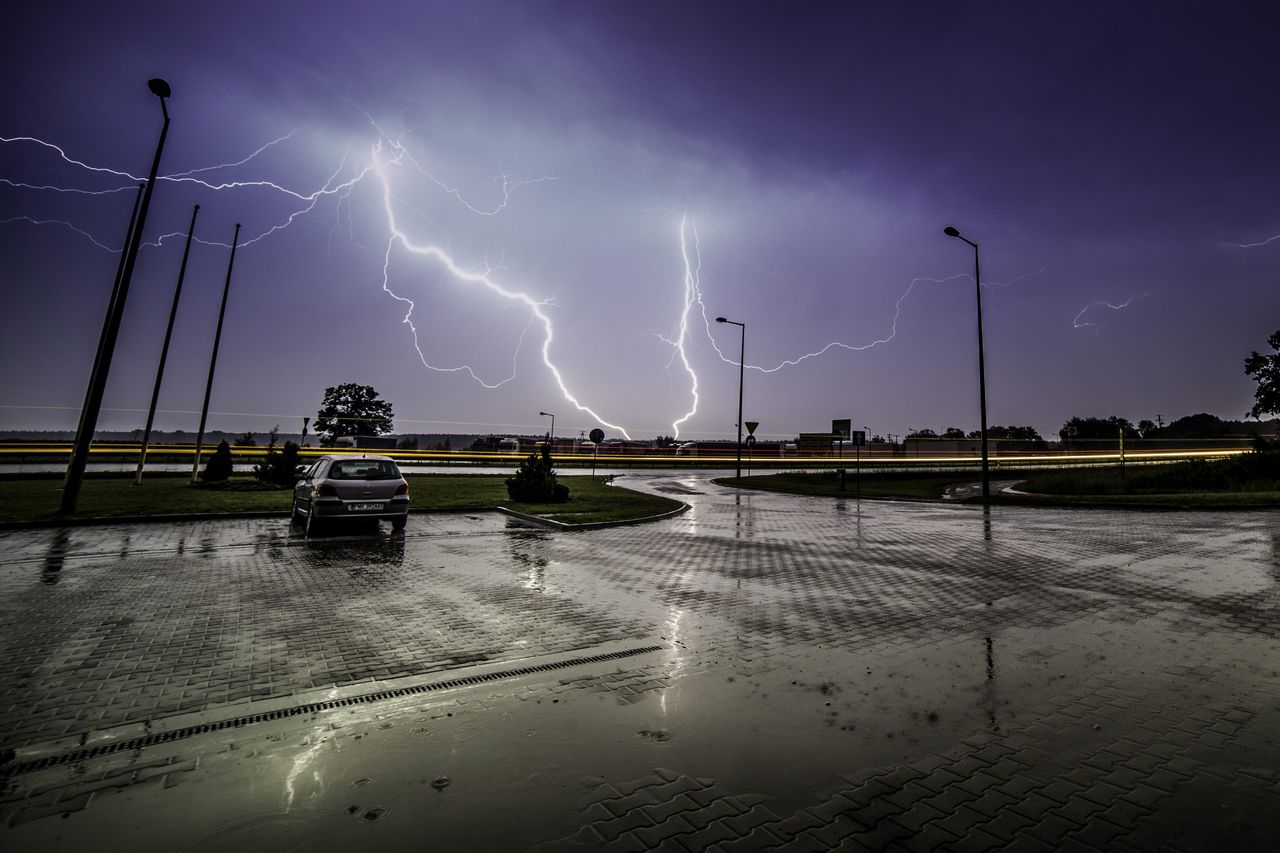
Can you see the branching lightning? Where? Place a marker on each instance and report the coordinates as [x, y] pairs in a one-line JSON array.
[[692, 269], [694, 292], [379, 164], [1078, 323]]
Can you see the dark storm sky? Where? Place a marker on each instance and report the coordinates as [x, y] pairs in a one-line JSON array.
[[1100, 153]]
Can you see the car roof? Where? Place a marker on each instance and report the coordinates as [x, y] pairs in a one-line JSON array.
[[357, 456]]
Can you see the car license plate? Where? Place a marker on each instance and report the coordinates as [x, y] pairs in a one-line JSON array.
[[365, 507]]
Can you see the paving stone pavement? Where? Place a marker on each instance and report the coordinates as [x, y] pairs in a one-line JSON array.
[[949, 678]]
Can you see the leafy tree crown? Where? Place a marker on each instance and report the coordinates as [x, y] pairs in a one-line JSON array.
[[352, 409]]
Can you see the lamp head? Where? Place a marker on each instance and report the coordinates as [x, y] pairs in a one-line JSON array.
[[721, 320], [545, 414], [950, 232], [159, 87]]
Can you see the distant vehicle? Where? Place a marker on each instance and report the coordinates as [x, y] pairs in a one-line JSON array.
[[339, 488], [378, 442], [509, 445]]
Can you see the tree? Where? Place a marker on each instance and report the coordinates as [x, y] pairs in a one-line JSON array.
[[664, 441], [1097, 428], [922, 433], [1147, 428], [278, 466], [1265, 369], [218, 468], [535, 480], [409, 442], [953, 433], [245, 440], [351, 409]]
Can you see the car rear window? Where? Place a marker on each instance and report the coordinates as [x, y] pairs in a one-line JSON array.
[[363, 469]]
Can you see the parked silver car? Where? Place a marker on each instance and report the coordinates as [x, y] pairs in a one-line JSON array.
[[350, 487]]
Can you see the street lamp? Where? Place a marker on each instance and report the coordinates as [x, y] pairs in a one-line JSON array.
[[551, 436], [111, 328], [742, 360], [982, 367]]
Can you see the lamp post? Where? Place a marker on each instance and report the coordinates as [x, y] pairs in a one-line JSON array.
[[551, 436], [982, 366], [742, 360], [111, 329]]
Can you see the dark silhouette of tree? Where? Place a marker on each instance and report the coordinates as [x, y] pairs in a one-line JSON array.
[[218, 468], [279, 467], [664, 441], [1202, 425], [245, 439], [923, 433], [953, 433], [1147, 428], [1265, 368], [351, 409], [1097, 428]]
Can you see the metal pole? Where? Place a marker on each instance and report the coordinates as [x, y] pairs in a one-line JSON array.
[[742, 360], [213, 360], [982, 379], [164, 350], [106, 321], [98, 380]]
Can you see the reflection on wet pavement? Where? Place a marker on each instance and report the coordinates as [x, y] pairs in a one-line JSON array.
[[832, 672]]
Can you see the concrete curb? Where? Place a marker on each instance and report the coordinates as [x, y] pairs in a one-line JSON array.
[[551, 524]]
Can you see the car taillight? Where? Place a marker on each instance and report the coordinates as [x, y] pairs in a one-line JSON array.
[[325, 490], [402, 489]]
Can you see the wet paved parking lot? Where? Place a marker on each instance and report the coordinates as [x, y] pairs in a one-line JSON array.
[[761, 672]]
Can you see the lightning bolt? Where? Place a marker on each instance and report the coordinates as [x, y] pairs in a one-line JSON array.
[[1271, 239], [341, 187], [480, 278], [1077, 323], [692, 269], [695, 290]]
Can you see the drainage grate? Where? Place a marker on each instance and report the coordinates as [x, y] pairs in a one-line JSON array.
[[18, 768]]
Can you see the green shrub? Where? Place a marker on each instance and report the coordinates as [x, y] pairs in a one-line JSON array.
[[278, 467], [535, 480], [218, 467]]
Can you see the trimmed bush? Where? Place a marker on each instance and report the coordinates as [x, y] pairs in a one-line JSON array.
[[218, 468], [535, 480]]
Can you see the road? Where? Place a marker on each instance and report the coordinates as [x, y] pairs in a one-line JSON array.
[[765, 670]]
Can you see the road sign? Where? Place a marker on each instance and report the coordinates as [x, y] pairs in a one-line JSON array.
[[751, 426], [841, 428], [597, 435], [751, 441], [858, 438]]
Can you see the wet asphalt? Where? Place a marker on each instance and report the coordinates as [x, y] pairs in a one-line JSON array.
[[764, 671]]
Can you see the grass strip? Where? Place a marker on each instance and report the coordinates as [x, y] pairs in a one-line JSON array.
[[37, 499]]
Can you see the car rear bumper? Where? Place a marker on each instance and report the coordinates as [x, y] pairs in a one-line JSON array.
[[329, 508]]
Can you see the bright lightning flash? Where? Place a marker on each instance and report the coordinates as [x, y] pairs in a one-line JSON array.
[[380, 164]]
